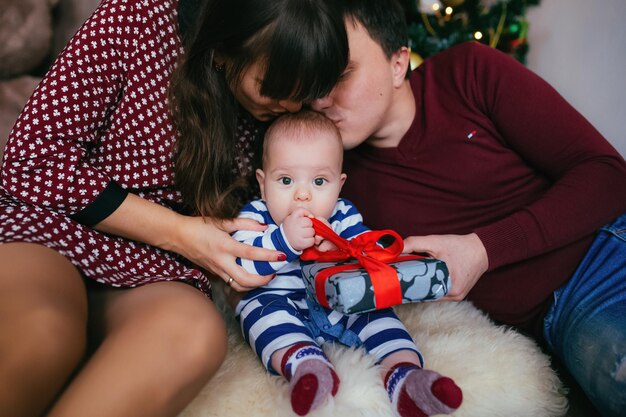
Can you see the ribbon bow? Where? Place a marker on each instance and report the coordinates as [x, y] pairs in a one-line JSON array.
[[366, 250]]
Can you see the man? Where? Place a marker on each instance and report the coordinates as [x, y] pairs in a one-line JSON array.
[[480, 163]]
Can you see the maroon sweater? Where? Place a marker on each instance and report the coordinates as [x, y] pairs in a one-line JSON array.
[[495, 150]]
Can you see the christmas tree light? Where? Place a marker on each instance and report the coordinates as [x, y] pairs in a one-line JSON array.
[[435, 25]]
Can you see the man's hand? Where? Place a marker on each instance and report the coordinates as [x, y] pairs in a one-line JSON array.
[[465, 256]]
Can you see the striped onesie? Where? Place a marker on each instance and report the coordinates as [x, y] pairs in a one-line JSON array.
[[279, 314]]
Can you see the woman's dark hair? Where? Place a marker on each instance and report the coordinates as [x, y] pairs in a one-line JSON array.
[[303, 47]]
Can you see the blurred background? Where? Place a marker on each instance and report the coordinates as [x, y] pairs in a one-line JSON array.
[[579, 46]]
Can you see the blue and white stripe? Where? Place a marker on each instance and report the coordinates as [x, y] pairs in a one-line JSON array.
[[276, 315]]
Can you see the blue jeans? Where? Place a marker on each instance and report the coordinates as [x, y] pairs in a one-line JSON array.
[[586, 324]]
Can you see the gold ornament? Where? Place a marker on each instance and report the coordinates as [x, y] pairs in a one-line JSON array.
[[415, 59], [452, 3]]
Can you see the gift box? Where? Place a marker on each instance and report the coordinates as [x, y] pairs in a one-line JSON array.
[[347, 287], [369, 272]]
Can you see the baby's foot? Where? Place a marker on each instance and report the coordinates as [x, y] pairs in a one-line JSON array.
[[311, 377], [417, 392], [311, 384]]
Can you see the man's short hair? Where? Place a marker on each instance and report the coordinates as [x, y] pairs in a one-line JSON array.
[[384, 20]]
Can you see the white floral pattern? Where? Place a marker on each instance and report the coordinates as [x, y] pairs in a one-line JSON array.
[[101, 114]]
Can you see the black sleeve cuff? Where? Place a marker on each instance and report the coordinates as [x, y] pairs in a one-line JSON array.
[[106, 203]]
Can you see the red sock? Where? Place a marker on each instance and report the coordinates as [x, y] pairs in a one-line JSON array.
[[417, 392], [311, 377]]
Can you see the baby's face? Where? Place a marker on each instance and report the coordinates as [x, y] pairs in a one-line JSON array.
[[302, 173]]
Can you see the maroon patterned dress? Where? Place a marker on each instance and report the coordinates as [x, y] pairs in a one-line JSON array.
[[98, 126]]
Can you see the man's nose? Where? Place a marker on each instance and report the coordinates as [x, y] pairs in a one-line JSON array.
[[290, 105]]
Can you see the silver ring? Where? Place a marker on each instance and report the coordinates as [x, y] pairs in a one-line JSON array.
[[230, 281]]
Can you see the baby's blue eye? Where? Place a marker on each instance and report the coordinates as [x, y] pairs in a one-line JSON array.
[[285, 180], [319, 181]]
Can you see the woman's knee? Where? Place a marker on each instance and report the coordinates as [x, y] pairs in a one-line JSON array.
[[188, 325], [43, 310], [202, 335], [57, 336], [43, 294]]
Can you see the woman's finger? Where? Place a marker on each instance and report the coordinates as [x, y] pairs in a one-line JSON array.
[[240, 280], [245, 251], [234, 225]]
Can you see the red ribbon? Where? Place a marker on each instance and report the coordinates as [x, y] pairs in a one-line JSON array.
[[369, 254]]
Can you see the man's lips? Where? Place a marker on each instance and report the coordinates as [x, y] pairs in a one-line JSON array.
[[335, 120]]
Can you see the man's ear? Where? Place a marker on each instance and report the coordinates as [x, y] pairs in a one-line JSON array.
[[260, 177], [400, 61]]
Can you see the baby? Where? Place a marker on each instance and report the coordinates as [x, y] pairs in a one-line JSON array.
[[301, 178]]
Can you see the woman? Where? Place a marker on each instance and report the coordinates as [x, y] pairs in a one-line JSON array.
[[89, 211]]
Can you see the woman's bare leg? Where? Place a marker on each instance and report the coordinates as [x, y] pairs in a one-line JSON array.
[[161, 343], [43, 319]]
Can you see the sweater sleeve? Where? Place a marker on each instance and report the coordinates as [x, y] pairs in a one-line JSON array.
[[587, 175], [50, 152]]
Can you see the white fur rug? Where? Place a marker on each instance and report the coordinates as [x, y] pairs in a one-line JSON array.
[[501, 373]]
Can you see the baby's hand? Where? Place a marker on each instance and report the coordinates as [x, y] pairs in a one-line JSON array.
[[325, 246], [298, 229], [321, 244]]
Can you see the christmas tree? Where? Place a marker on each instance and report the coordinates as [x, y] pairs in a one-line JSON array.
[[435, 25]]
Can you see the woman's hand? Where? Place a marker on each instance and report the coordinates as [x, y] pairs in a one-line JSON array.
[[207, 243], [465, 256]]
